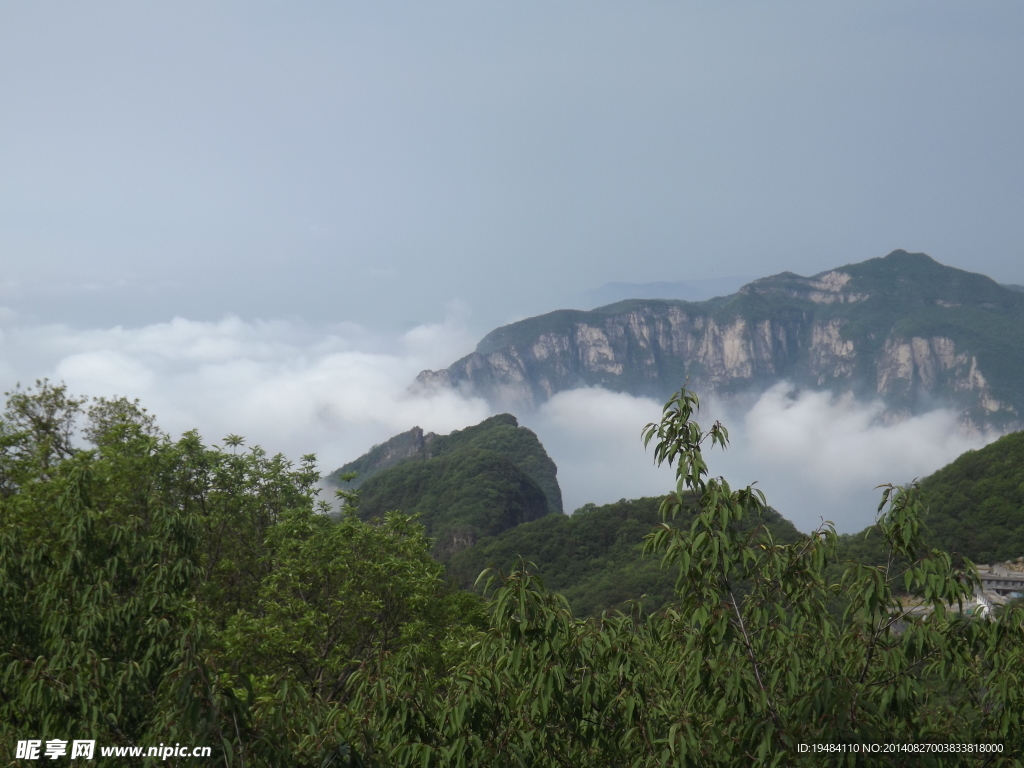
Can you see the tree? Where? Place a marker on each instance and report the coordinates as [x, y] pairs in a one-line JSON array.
[[97, 572], [155, 591], [747, 666]]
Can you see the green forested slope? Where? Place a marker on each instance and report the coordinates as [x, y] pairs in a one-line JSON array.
[[458, 497], [976, 504], [975, 508], [477, 481], [502, 434], [593, 557], [499, 434], [390, 453], [169, 592]]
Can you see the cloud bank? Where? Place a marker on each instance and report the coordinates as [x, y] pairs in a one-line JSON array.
[[817, 457], [283, 385], [336, 391]]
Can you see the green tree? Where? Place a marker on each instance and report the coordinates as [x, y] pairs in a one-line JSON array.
[[153, 590], [745, 667], [96, 573]]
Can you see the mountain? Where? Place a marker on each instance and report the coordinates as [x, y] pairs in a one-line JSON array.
[[407, 445], [475, 482], [975, 508], [593, 557], [976, 503], [903, 328]]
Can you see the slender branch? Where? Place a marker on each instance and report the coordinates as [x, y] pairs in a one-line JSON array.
[[753, 659]]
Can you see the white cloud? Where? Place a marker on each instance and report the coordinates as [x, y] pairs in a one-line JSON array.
[[594, 437], [336, 391], [816, 457], [286, 386]]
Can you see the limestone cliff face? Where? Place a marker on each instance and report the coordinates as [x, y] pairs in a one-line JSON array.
[[917, 368], [902, 328]]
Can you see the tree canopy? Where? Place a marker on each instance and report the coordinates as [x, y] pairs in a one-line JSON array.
[[156, 590]]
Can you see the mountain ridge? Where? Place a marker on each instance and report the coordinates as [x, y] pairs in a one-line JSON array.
[[500, 434], [471, 483], [902, 328]]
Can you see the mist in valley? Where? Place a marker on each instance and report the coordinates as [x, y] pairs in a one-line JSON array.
[[335, 391]]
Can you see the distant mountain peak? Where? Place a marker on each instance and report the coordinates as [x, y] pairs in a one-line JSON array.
[[473, 482], [903, 328]]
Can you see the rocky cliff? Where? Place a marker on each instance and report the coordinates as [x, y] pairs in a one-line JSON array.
[[904, 328], [477, 481], [500, 434]]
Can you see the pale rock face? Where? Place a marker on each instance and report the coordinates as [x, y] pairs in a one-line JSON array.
[[835, 298], [896, 364], [830, 289], [920, 361], [989, 404], [831, 355], [650, 350], [924, 361], [640, 328], [972, 380], [824, 298], [597, 353], [508, 366], [944, 350], [905, 361], [725, 351], [831, 281]]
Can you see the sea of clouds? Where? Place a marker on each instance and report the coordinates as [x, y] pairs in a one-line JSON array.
[[818, 458], [336, 391]]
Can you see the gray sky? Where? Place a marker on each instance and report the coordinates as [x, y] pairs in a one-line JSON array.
[[373, 162], [332, 196]]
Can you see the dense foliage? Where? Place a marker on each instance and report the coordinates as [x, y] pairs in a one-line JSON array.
[[594, 558], [153, 591], [503, 435], [477, 481], [976, 503], [499, 434], [391, 452], [458, 497], [975, 508], [162, 591]]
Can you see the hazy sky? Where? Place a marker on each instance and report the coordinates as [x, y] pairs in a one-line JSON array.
[[372, 162], [331, 196]]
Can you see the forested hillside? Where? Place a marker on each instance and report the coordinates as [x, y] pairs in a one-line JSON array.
[[483, 510], [477, 481], [976, 503], [457, 498], [595, 556], [500, 434], [158, 591], [975, 507]]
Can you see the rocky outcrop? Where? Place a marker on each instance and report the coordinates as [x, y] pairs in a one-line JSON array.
[[646, 351], [903, 328], [400, 448], [920, 370]]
